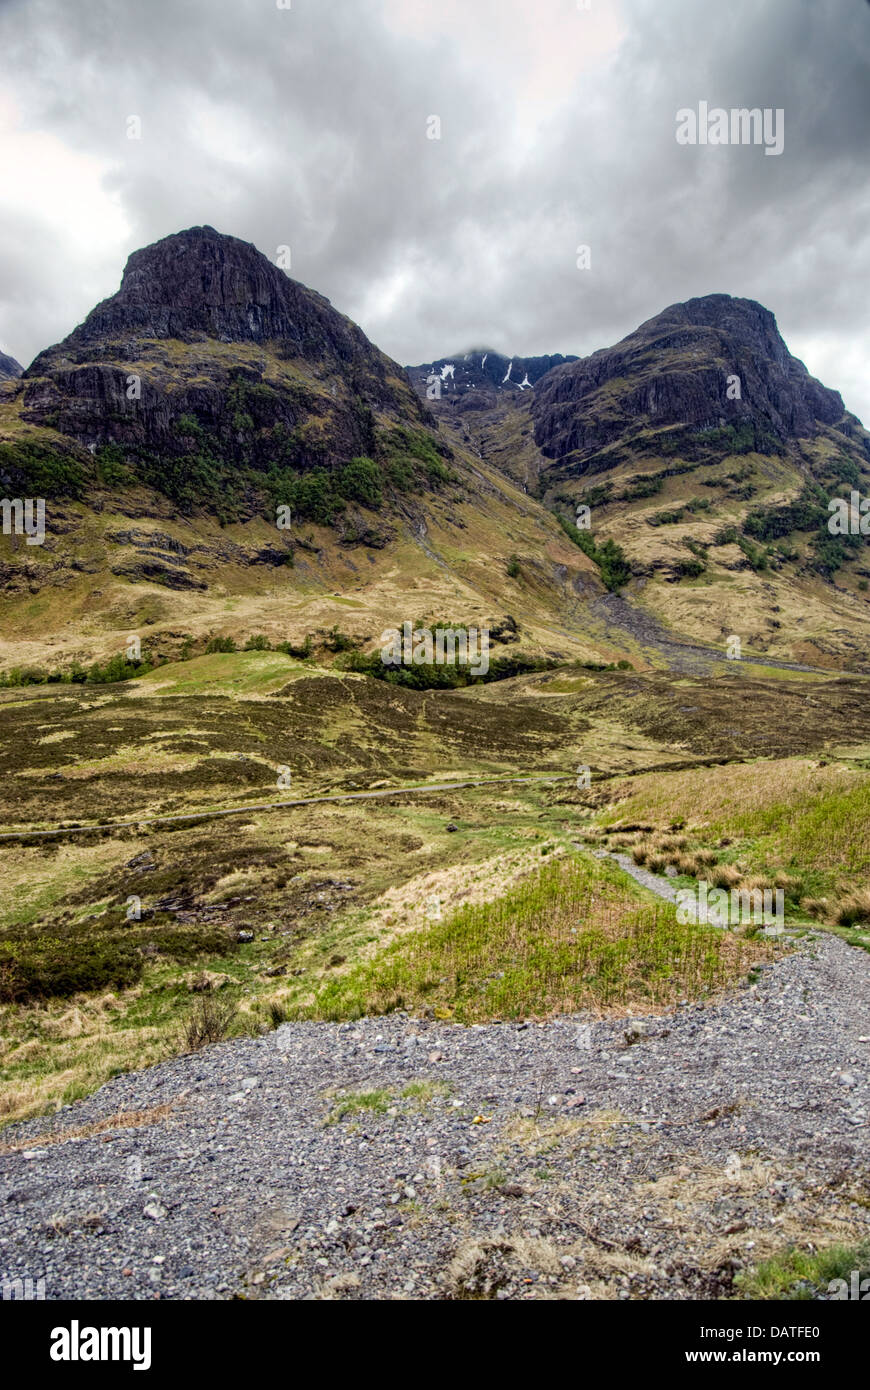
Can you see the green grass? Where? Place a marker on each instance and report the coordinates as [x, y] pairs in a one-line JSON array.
[[572, 935], [422, 1092], [227, 673], [789, 814], [798, 1274], [355, 1102]]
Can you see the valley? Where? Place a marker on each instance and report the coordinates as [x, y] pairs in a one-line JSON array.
[[263, 899]]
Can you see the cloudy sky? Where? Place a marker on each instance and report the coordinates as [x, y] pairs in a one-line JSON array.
[[308, 126]]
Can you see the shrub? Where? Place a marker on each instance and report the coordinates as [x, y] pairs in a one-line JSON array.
[[45, 967], [117, 668], [12, 985], [39, 471], [690, 569], [209, 1021], [609, 557], [300, 653], [337, 641], [360, 481]]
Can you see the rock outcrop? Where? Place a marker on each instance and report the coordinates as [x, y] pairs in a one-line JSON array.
[[211, 367], [202, 284]]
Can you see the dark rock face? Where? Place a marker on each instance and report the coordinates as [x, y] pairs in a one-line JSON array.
[[473, 381], [9, 368], [200, 283], [302, 390], [675, 370]]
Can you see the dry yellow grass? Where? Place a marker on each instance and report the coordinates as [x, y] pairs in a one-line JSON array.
[[725, 876], [818, 814], [124, 1119]]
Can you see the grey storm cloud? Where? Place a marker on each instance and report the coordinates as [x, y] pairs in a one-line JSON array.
[[307, 126]]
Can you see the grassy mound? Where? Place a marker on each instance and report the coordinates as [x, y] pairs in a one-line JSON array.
[[572, 936]]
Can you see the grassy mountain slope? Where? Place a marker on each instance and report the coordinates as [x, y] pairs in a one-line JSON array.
[[708, 455]]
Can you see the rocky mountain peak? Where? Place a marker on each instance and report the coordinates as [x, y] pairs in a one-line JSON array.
[[704, 364], [201, 283], [163, 373], [9, 368]]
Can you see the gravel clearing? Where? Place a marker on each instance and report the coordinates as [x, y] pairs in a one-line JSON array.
[[579, 1158]]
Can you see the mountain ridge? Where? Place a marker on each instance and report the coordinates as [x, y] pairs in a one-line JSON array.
[[707, 507], [468, 380], [716, 360]]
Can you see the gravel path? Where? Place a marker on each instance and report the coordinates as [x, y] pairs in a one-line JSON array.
[[656, 883], [577, 1158], [102, 826]]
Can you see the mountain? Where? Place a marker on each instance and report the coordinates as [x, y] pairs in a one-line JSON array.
[[9, 368], [218, 430], [482, 399], [472, 380], [220, 451], [708, 455], [710, 364], [219, 381]]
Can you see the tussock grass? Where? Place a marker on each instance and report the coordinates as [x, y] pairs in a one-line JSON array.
[[209, 1021], [667, 843], [855, 908], [725, 876], [571, 936], [687, 864]]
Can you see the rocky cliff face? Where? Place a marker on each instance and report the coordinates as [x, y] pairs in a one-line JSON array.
[[201, 284], [210, 364], [9, 368], [475, 380], [703, 365]]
